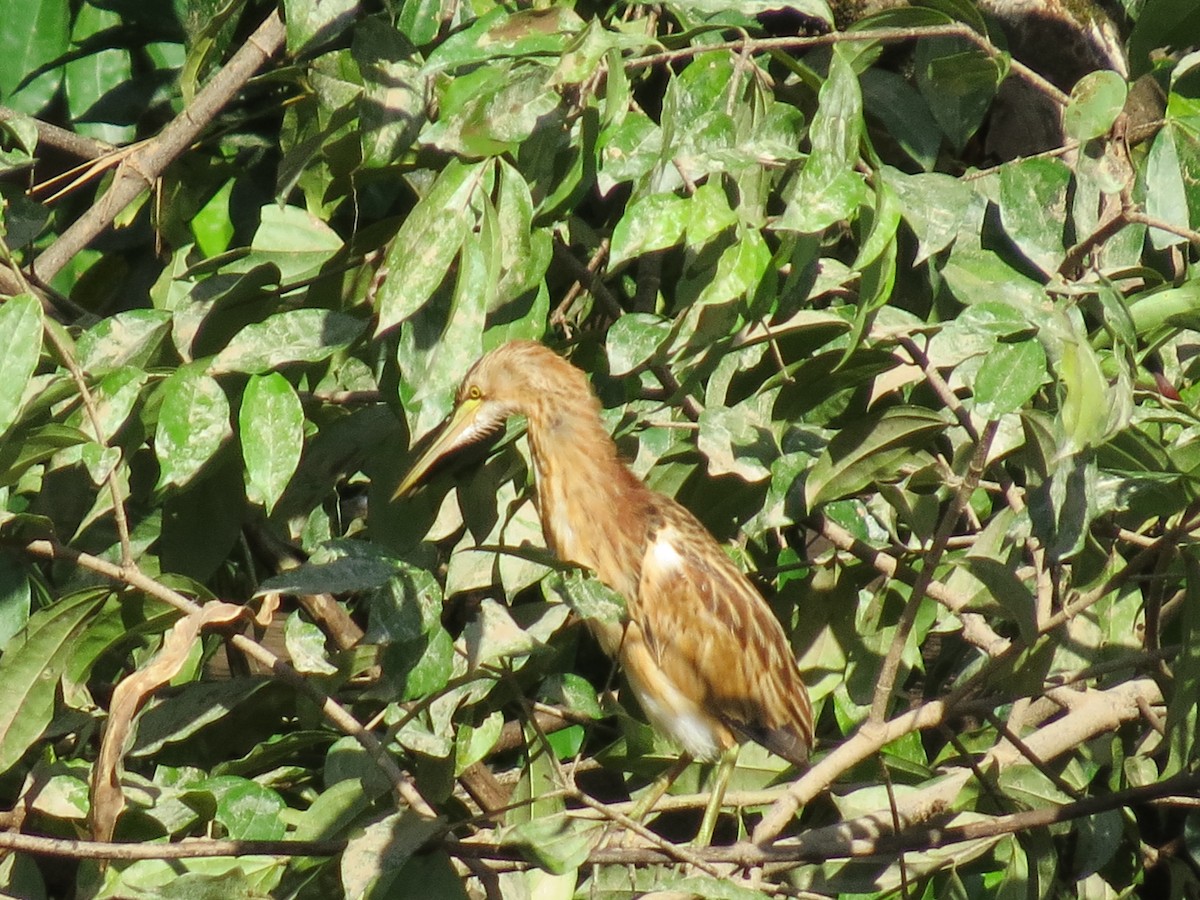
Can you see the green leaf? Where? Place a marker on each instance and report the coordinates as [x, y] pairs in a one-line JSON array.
[[306, 646], [93, 80], [41, 37], [958, 81], [866, 450], [294, 240], [650, 223], [31, 667], [936, 207], [1085, 402], [633, 340], [1096, 100], [193, 423], [271, 426], [308, 20], [376, 855], [828, 188], [15, 595], [248, 811], [1166, 194], [737, 441], [1009, 376], [294, 336], [126, 339], [334, 577], [1033, 208], [586, 595], [558, 843], [1178, 306], [427, 243], [20, 347]]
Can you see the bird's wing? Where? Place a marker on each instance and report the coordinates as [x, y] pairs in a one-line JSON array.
[[712, 634]]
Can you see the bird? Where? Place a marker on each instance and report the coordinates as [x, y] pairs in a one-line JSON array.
[[706, 658]]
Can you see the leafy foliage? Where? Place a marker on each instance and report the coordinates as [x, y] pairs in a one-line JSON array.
[[932, 372]]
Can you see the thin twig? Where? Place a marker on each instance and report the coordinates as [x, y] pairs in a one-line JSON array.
[[333, 711], [67, 358], [191, 848], [151, 159], [882, 35]]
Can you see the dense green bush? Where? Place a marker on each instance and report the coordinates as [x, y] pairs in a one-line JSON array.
[[910, 328]]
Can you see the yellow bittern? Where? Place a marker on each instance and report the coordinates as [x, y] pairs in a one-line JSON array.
[[708, 661]]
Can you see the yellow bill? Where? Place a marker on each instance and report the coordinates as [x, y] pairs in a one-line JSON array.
[[462, 428]]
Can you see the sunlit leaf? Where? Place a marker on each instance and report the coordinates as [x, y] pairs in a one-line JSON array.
[[20, 346], [193, 423], [271, 428]]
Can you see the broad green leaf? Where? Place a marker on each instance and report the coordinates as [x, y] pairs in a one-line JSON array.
[[494, 110], [866, 450], [586, 595], [248, 811], [974, 276], [94, 79], [573, 692], [126, 339], [558, 844], [309, 20], [334, 577], [1009, 376], [958, 81], [890, 98], [271, 427], [20, 347], [15, 596], [493, 635], [376, 855], [461, 341], [633, 339], [36, 32], [828, 188], [935, 206], [200, 705], [1085, 400], [428, 242], [737, 441], [1033, 208], [294, 240], [30, 669], [653, 222], [294, 336], [211, 226], [193, 423], [1096, 101], [408, 606], [1179, 306], [306, 646], [474, 742], [1166, 194], [1064, 505]]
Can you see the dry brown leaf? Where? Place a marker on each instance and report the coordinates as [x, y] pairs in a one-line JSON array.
[[108, 801], [267, 606]]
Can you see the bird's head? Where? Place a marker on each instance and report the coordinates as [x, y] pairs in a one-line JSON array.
[[517, 378]]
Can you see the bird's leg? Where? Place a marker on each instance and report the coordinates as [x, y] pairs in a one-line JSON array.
[[661, 785], [720, 783]]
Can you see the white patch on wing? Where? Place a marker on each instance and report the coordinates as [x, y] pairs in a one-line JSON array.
[[664, 552]]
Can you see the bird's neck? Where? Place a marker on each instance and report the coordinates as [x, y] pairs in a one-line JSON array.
[[591, 504]]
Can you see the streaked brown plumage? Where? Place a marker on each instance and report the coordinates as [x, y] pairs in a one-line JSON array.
[[708, 661]]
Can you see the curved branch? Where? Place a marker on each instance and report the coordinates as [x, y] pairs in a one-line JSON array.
[[143, 167]]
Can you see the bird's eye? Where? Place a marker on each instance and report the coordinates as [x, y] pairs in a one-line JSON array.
[[473, 392]]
